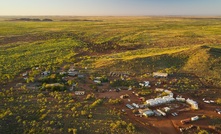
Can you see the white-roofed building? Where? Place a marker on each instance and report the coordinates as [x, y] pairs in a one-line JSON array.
[[160, 75], [194, 104], [141, 111], [148, 113], [145, 84], [170, 93], [159, 89], [159, 101], [180, 99], [161, 112]]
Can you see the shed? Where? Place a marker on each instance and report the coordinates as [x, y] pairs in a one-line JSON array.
[[97, 81], [80, 76], [129, 106], [72, 72], [160, 75], [194, 104], [135, 105], [156, 113], [143, 106], [79, 92], [180, 99], [45, 73], [166, 109], [145, 84], [148, 113], [143, 110], [161, 112], [159, 89]]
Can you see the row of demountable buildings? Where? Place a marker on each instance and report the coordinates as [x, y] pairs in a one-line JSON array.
[[161, 100], [169, 98]]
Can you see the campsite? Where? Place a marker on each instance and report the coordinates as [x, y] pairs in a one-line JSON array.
[[110, 75]]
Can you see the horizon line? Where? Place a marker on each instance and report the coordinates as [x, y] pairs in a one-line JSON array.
[[113, 15]]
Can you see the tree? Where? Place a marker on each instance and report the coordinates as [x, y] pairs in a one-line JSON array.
[[90, 96], [70, 82], [75, 131], [90, 116], [84, 112], [116, 101], [130, 128], [218, 101], [203, 132], [96, 103], [66, 67], [30, 79]]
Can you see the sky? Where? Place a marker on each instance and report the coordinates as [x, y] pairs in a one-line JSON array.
[[110, 7]]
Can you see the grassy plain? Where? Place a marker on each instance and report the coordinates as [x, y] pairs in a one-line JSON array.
[[129, 44], [127, 38]]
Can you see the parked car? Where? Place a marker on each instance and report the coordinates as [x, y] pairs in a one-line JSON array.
[[185, 121], [218, 110], [174, 114]]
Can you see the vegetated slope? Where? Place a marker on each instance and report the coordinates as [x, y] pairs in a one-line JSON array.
[[143, 60], [205, 62], [15, 58]]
